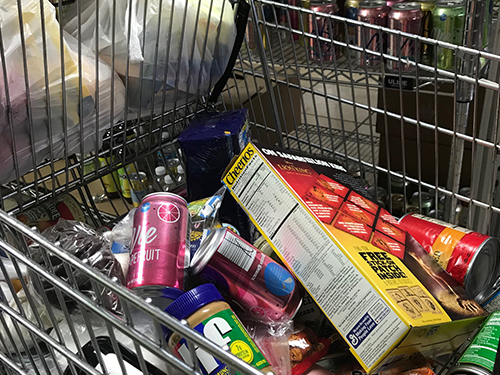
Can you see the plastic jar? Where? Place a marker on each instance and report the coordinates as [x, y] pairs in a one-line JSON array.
[[206, 311]]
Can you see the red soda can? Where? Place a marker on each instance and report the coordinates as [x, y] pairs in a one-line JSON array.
[[159, 254], [323, 27], [374, 12], [473, 259], [406, 17], [246, 275]]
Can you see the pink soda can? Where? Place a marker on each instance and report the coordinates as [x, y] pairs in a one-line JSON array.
[[255, 282], [159, 254], [373, 12]]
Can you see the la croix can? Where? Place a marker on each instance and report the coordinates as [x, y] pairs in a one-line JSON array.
[[406, 17], [375, 13], [159, 254], [473, 259], [246, 275]]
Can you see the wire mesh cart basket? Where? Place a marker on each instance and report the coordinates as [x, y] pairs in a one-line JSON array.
[[94, 89]]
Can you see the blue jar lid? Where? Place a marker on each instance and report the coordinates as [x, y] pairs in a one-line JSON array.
[[189, 302]]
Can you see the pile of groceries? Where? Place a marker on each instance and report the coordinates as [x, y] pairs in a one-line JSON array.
[[442, 20], [306, 272]]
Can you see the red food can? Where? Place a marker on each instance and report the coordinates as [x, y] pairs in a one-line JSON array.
[[374, 12], [473, 259], [159, 254], [323, 27], [249, 277], [406, 17]]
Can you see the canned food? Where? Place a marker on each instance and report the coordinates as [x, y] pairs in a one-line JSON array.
[[406, 17], [398, 204], [399, 184], [373, 12], [489, 299], [139, 187], [448, 22], [473, 259], [257, 283], [378, 193], [322, 27], [479, 358], [159, 246]]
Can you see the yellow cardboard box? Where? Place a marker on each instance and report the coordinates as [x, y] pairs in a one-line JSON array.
[[380, 289]]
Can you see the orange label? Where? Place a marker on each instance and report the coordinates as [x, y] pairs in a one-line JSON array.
[[445, 244]]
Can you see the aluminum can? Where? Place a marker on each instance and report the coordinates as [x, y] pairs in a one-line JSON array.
[[480, 357], [473, 259], [489, 299], [406, 17], [391, 3], [323, 27], [373, 12], [423, 201], [246, 275], [159, 254], [448, 22], [139, 187], [427, 7], [351, 13]]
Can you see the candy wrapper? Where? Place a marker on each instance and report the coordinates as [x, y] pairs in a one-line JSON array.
[[83, 242]]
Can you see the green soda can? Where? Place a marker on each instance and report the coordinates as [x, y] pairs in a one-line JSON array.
[[479, 358], [448, 22]]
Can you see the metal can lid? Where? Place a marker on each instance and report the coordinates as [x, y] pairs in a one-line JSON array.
[[372, 4], [207, 249], [484, 267], [425, 198], [164, 194], [137, 176], [450, 3], [406, 6], [465, 191]]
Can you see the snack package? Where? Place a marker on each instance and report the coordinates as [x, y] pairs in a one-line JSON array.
[[305, 349], [208, 144], [83, 242], [272, 338], [204, 214]]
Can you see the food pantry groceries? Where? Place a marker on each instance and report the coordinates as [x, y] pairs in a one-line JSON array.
[[385, 295]]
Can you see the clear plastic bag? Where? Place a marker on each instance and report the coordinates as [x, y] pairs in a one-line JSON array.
[[187, 58], [14, 113]]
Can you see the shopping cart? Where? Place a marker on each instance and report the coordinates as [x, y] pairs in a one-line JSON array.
[[431, 129]]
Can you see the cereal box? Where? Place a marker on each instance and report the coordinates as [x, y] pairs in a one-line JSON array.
[[379, 288]]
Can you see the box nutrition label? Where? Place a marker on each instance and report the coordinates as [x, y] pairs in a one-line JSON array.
[[346, 297]]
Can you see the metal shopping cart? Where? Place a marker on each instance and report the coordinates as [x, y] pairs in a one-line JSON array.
[[299, 74]]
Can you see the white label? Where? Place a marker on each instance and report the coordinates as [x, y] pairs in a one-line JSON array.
[[347, 298], [113, 366], [237, 251]]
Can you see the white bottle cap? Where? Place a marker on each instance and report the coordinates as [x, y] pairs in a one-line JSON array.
[[168, 179], [165, 135], [160, 171], [180, 169]]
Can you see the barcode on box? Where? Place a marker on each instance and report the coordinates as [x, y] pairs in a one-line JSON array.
[[237, 251]]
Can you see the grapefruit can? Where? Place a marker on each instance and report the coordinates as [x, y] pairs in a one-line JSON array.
[[472, 258], [159, 254]]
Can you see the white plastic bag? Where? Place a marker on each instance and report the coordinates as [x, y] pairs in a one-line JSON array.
[[193, 70], [13, 87]]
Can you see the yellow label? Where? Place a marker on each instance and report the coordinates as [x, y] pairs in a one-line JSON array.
[[445, 244], [239, 165], [242, 350]]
